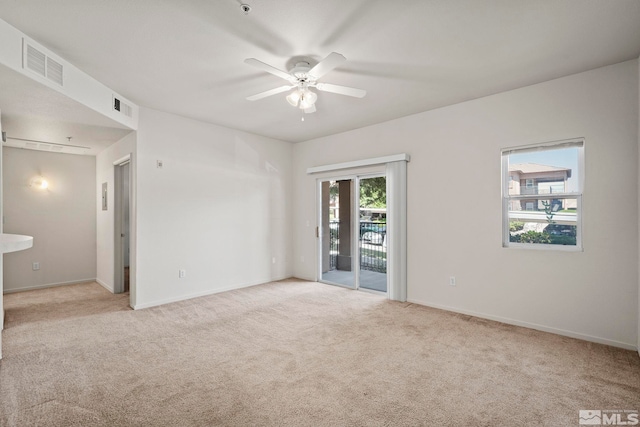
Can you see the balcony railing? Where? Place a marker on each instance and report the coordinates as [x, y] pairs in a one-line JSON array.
[[536, 190], [372, 245], [528, 190]]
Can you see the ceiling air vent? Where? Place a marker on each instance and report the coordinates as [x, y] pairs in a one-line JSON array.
[[54, 71], [38, 62], [122, 107]]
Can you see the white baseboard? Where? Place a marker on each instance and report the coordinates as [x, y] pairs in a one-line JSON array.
[[301, 276], [205, 293], [535, 326], [104, 285], [48, 285]]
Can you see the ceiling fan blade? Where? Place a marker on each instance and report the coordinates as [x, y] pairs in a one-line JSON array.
[[310, 110], [268, 68], [342, 90], [327, 64], [269, 93]]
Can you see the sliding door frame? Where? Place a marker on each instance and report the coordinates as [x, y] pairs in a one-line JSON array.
[[395, 170], [321, 231], [359, 246], [355, 228]]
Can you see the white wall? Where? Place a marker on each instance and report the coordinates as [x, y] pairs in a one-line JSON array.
[[638, 345], [61, 219], [455, 158], [105, 219], [220, 208]]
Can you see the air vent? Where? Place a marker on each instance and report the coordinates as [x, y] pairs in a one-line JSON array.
[[38, 62], [122, 107], [54, 71], [31, 145]]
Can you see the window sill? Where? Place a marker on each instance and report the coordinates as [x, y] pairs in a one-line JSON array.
[[543, 247]]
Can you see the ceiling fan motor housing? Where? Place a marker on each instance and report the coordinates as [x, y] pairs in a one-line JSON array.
[[300, 71]]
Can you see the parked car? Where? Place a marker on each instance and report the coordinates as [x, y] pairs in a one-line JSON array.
[[374, 233]]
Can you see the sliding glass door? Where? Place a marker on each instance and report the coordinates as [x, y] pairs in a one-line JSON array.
[[353, 232], [372, 244], [337, 232]]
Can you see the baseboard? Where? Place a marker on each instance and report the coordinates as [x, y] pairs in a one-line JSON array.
[[535, 326], [205, 293], [48, 285], [308, 279], [104, 285]]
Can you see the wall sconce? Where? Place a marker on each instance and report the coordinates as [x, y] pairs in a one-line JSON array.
[[39, 183]]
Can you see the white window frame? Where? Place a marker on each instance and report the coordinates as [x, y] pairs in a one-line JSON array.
[[577, 195]]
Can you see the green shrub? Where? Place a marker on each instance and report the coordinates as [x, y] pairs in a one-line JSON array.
[[531, 237], [516, 226]]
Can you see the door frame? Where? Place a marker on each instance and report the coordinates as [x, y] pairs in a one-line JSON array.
[[320, 231], [355, 229], [396, 171], [118, 220], [360, 177]]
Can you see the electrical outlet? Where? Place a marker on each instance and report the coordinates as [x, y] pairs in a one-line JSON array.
[[273, 260], [182, 274], [452, 280], [159, 164], [36, 266]]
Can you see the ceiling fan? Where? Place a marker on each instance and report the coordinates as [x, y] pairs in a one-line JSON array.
[[302, 77]]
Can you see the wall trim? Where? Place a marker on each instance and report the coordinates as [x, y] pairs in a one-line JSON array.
[[104, 285], [303, 277], [48, 285], [562, 332], [359, 163], [207, 292]]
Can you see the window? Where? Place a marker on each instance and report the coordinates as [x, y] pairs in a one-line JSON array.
[[546, 211]]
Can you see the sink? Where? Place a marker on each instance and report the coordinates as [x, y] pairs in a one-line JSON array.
[[14, 242]]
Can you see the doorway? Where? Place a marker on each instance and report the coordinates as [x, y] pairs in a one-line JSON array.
[[122, 226], [353, 213]]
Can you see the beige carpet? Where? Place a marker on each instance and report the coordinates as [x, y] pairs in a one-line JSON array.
[[292, 353]]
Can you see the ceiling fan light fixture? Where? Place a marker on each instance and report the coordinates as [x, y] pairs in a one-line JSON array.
[[294, 97], [307, 99]]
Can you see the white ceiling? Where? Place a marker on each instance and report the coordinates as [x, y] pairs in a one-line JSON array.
[[186, 57]]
